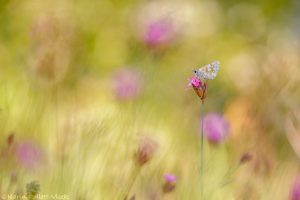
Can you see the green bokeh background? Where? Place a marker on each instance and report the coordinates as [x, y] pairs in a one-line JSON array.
[[88, 136]]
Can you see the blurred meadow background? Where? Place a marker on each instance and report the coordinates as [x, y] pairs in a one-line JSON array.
[[94, 101]]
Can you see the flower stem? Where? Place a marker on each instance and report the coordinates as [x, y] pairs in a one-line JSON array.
[[228, 178], [202, 153], [135, 174]]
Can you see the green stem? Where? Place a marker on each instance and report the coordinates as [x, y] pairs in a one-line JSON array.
[[131, 184], [228, 178], [202, 154]]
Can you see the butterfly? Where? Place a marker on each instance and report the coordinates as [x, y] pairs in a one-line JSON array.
[[208, 71]]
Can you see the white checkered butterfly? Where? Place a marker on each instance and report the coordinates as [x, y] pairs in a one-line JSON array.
[[208, 71]]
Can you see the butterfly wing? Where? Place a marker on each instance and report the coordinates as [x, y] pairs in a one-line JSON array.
[[209, 71]]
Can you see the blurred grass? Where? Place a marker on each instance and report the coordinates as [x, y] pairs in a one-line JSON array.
[[89, 136]]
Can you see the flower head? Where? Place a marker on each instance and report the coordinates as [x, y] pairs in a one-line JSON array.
[[146, 150], [215, 127], [10, 139], [170, 183], [195, 82], [295, 192], [159, 32], [246, 157], [51, 40], [170, 178], [127, 84], [198, 86], [28, 155]]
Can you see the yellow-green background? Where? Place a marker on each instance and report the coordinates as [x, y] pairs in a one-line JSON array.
[[89, 137]]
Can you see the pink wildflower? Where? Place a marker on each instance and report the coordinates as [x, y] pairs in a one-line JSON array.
[[170, 178], [195, 82], [170, 183], [159, 32], [28, 155], [127, 84], [215, 127]]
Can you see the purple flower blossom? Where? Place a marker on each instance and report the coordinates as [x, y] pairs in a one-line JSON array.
[[195, 82], [28, 155], [170, 178], [127, 84], [215, 127], [295, 192], [170, 183], [159, 32]]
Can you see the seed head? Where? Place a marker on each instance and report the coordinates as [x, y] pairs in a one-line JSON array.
[[147, 148], [246, 157]]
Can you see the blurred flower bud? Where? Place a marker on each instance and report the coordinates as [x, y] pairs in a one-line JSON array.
[[215, 128], [161, 24], [127, 84], [246, 157], [146, 150], [199, 87], [295, 190], [170, 183], [10, 139], [51, 44], [28, 155], [201, 91], [159, 33], [49, 66]]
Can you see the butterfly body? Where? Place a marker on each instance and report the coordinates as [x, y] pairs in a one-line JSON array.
[[208, 72]]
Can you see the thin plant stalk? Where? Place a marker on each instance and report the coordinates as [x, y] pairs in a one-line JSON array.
[[228, 178], [202, 142], [135, 174], [201, 92], [202, 153]]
